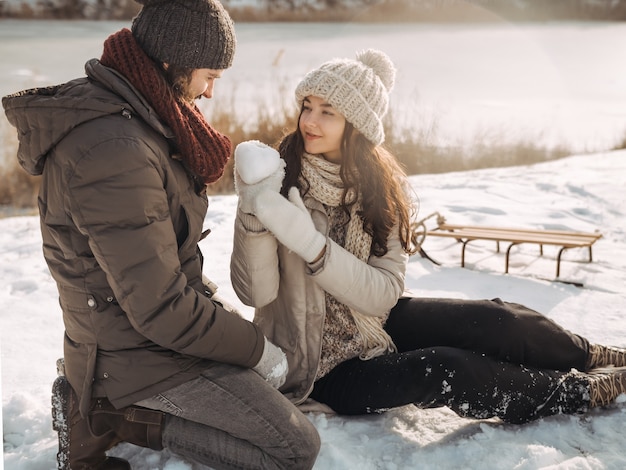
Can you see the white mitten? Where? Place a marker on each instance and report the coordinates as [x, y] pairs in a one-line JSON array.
[[290, 222], [255, 161], [257, 166], [273, 365]]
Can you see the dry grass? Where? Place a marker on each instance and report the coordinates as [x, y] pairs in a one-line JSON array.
[[421, 155], [416, 149], [18, 188]]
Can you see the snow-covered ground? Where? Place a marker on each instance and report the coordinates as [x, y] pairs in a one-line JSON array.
[[583, 193]]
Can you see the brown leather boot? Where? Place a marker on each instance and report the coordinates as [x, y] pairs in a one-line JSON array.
[[134, 424], [79, 449], [83, 442], [603, 356]]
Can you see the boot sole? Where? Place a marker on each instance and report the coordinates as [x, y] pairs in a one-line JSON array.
[[60, 407]]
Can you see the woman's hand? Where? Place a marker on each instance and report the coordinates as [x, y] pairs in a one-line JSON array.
[[291, 223]]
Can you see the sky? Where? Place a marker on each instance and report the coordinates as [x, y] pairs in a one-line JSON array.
[[581, 193]]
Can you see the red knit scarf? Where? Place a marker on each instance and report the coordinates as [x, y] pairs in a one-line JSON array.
[[204, 151]]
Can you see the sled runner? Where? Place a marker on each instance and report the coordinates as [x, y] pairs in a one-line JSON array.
[[513, 236]]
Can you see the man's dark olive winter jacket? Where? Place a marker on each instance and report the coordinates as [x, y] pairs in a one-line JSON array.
[[121, 222]]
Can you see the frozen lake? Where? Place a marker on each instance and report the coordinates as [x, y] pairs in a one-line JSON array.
[[559, 82]]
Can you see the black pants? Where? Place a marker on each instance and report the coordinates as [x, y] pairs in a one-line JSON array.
[[483, 359]]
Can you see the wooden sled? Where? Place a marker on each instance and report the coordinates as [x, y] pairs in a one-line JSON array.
[[513, 236]]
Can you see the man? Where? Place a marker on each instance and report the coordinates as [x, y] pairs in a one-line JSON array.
[[125, 156]]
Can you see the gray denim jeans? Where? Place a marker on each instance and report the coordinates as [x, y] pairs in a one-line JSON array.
[[230, 418]]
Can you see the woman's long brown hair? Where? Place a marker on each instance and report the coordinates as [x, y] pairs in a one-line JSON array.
[[375, 174]]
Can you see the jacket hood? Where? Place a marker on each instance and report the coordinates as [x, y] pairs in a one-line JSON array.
[[44, 116]]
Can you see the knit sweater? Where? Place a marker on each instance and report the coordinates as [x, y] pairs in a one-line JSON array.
[[341, 339]]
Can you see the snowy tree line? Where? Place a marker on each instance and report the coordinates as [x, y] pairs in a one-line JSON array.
[[386, 10]]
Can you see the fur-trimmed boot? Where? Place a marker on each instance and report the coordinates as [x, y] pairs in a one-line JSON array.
[[79, 449], [605, 385], [604, 356], [83, 442]]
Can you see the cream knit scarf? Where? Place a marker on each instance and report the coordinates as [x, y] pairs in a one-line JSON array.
[[326, 187]]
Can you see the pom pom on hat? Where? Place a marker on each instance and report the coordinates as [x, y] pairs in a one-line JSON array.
[[358, 89], [197, 34], [381, 64]]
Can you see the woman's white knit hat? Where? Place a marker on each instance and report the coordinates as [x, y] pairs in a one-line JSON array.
[[358, 89]]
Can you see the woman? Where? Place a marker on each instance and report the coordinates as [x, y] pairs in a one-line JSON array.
[[325, 270], [125, 156]]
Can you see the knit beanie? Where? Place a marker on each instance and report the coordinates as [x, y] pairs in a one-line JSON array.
[[197, 34], [358, 89]]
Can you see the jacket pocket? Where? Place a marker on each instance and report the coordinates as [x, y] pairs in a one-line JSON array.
[[97, 319], [189, 231], [77, 306]]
